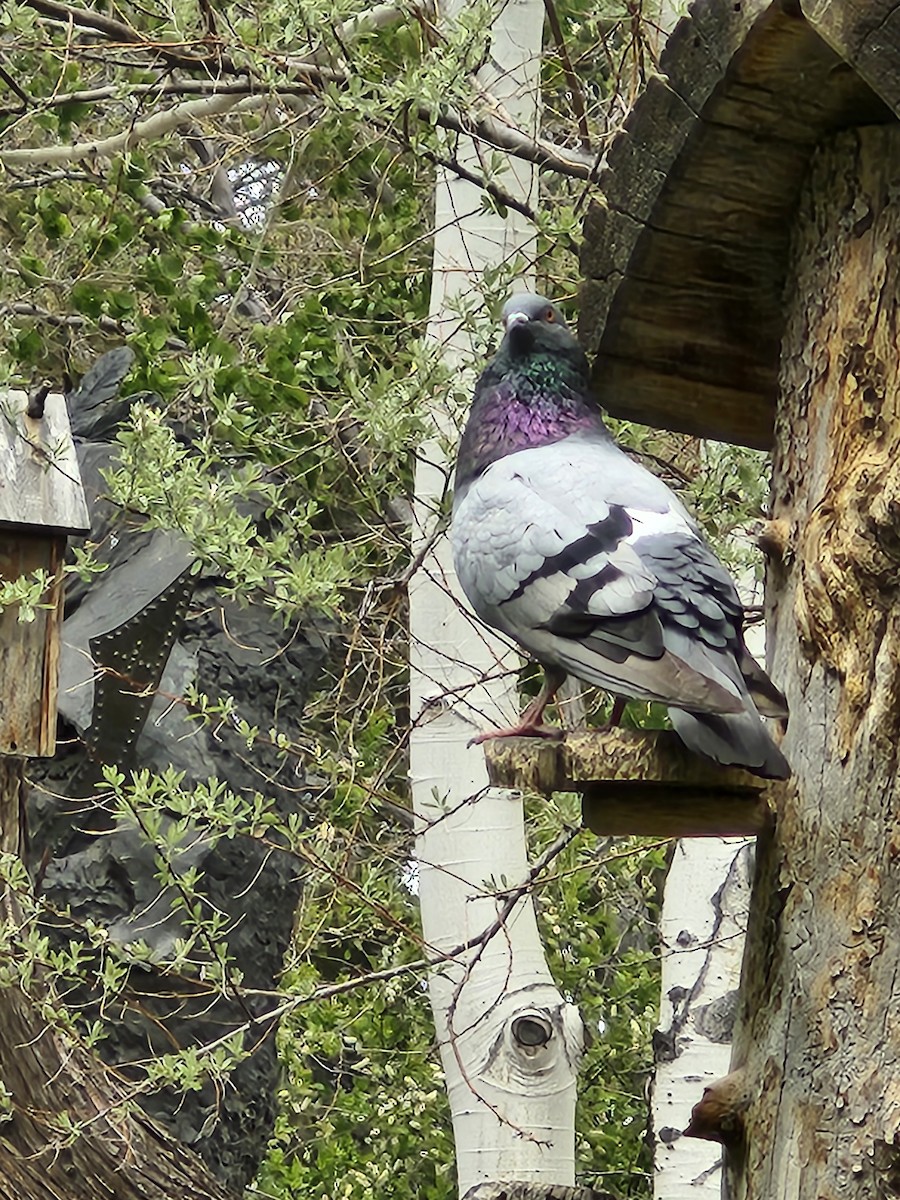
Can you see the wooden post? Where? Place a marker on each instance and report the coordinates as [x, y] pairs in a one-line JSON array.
[[41, 502], [813, 1106]]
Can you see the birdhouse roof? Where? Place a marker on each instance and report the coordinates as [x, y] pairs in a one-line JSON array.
[[685, 257], [40, 484]]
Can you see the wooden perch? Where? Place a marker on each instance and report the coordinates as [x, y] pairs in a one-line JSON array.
[[635, 782], [520, 1190]]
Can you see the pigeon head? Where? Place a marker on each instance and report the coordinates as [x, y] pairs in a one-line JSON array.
[[535, 390], [533, 324]]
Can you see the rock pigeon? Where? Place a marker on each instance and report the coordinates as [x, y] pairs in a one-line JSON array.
[[589, 561]]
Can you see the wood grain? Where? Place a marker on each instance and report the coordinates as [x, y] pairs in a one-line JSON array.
[[29, 650], [40, 484], [685, 258]]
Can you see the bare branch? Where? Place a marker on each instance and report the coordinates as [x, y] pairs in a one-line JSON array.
[[36, 181], [106, 324], [158, 125], [571, 78], [494, 129], [118, 31], [188, 87], [501, 196], [13, 86], [506, 136]]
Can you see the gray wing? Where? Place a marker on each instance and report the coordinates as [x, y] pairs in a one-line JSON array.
[[702, 616], [546, 551]]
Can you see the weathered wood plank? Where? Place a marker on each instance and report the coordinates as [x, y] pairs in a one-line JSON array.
[[40, 484], [866, 34], [675, 811], [644, 393], [29, 651], [702, 46], [641, 158], [635, 783], [685, 260]]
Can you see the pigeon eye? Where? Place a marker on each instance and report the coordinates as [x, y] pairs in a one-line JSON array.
[[550, 315]]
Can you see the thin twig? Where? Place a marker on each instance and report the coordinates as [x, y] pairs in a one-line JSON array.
[[13, 86], [103, 323], [118, 31], [569, 72]]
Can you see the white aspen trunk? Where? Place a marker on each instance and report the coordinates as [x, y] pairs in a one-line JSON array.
[[509, 1043], [704, 919]]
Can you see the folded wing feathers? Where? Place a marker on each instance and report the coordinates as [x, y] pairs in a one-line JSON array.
[[624, 596]]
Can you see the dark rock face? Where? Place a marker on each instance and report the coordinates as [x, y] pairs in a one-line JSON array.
[[148, 621]]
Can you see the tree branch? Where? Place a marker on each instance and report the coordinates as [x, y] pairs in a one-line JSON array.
[[105, 324], [71, 1129], [569, 71], [158, 125], [13, 86], [462, 172], [495, 129], [221, 191], [118, 31], [502, 136], [36, 181], [380, 16], [197, 87]]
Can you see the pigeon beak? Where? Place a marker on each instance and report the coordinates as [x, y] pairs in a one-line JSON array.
[[516, 318]]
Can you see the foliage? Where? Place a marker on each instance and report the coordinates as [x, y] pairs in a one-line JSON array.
[[363, 1104]]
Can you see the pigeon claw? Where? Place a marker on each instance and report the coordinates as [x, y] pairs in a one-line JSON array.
[[523, 729], [530, 723]]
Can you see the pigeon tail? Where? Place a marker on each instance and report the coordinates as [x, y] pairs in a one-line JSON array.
[[739, 740]]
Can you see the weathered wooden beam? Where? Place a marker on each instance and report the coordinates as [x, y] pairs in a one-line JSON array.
[[636, 782], [29, 651], [40, 484], [41, 501], [866, 34], [685, 258]]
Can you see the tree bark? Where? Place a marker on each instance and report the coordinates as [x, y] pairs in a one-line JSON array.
[[509, 1042], [813, 1104]]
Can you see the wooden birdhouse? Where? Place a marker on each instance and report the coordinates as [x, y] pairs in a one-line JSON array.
[[41, 503], [687, 256]]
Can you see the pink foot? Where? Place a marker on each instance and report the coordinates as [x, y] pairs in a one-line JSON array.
[[523, 729]]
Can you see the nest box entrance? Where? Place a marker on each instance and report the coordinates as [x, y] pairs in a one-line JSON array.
[[41, 503]]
